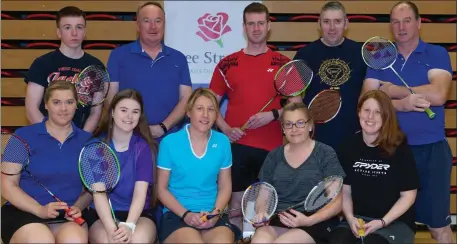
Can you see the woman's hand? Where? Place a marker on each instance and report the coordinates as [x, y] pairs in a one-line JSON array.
[[355, 226], [123, 234], [292, 221], [50, 210], [193, 219], [260, 219], [209, 223], [74, 213], [372, 226]]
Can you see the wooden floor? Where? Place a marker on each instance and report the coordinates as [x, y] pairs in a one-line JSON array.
[[425, 237]]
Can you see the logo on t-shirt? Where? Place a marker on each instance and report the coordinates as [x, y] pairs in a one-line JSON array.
[[71, 74], [334, 72], [371, 168]]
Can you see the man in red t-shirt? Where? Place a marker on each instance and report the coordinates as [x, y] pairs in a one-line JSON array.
[[246, 77]]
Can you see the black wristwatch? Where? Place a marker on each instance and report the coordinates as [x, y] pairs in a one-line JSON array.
[[164, 128], [275, 114]]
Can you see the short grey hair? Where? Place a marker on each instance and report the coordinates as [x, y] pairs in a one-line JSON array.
[[148, 4], [334, 5]]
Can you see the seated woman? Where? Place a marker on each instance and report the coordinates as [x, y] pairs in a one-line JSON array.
[[194, 177], [382, 178], [31, 215], [293, 170], [126, 130]]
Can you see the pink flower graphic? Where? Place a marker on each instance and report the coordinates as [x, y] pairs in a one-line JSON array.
[[212, 28]]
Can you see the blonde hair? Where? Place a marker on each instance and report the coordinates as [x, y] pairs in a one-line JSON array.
[[199, 92], [60, 85]]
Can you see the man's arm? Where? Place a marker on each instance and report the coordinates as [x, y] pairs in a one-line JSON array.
[[370, 84], [113, 90], [412, 102], [373, 84], [437, 91], [93, 119], [33, 99], [180, 109], [220, 121]]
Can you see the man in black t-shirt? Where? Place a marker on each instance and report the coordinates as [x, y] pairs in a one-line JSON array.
[[64, 63], [335, 59]]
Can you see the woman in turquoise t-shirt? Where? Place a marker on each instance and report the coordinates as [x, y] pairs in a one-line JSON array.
[[194, 177]]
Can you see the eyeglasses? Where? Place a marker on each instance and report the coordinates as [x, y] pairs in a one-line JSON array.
[[299, 124]]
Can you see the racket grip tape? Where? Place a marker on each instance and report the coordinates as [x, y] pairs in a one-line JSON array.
[[361, 231], [205, 218], [79, 220], [430, 113]]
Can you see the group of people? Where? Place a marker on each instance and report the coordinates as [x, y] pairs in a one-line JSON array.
[[396, 162]]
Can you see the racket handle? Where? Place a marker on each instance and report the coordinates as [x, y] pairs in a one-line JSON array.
[[430, 113], [361, 230], [205, 218], [244, 126], [79, 220]]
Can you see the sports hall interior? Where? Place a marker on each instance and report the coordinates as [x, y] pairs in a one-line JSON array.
[[29, 30]]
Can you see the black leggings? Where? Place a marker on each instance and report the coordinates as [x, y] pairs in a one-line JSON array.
[[345, 236]]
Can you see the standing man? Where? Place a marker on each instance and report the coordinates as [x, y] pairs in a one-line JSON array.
[[247, 78], [335, 59], [64, 63], [160, 73], [427, 69]]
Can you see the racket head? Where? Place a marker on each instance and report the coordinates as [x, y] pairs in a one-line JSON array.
[[92, 85], [259, 202], [293, 78], [15, 154], [379, 53], [325, 106], [324, 192], [99, 167]]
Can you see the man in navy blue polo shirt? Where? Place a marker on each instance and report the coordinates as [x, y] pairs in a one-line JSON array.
[[427, 69], [160, 73]]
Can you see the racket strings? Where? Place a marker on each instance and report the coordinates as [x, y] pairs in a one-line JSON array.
[[15, 154], [293, 78], [379, 53], [92, 80], [99, 168], [323, 193], [325, 105], [259, 203]]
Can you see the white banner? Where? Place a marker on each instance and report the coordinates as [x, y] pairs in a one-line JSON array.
[[205, 31]]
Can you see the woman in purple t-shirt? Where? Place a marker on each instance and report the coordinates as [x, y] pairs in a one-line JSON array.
[[125, 129]]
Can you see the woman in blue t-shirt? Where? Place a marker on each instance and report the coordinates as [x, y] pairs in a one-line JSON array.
[[126, 130], [194, 177], [30, 214]]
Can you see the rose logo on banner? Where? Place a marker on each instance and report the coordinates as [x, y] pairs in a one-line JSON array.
[[212, 28]]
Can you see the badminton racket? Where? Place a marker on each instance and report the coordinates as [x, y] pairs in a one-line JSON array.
[[99, 170], [16, 159], [290, 80], [320, 195], [327, 104], [380, 54], [259, 199], [92, 85]]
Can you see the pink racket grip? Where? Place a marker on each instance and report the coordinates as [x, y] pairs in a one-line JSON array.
[[79, 220]]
